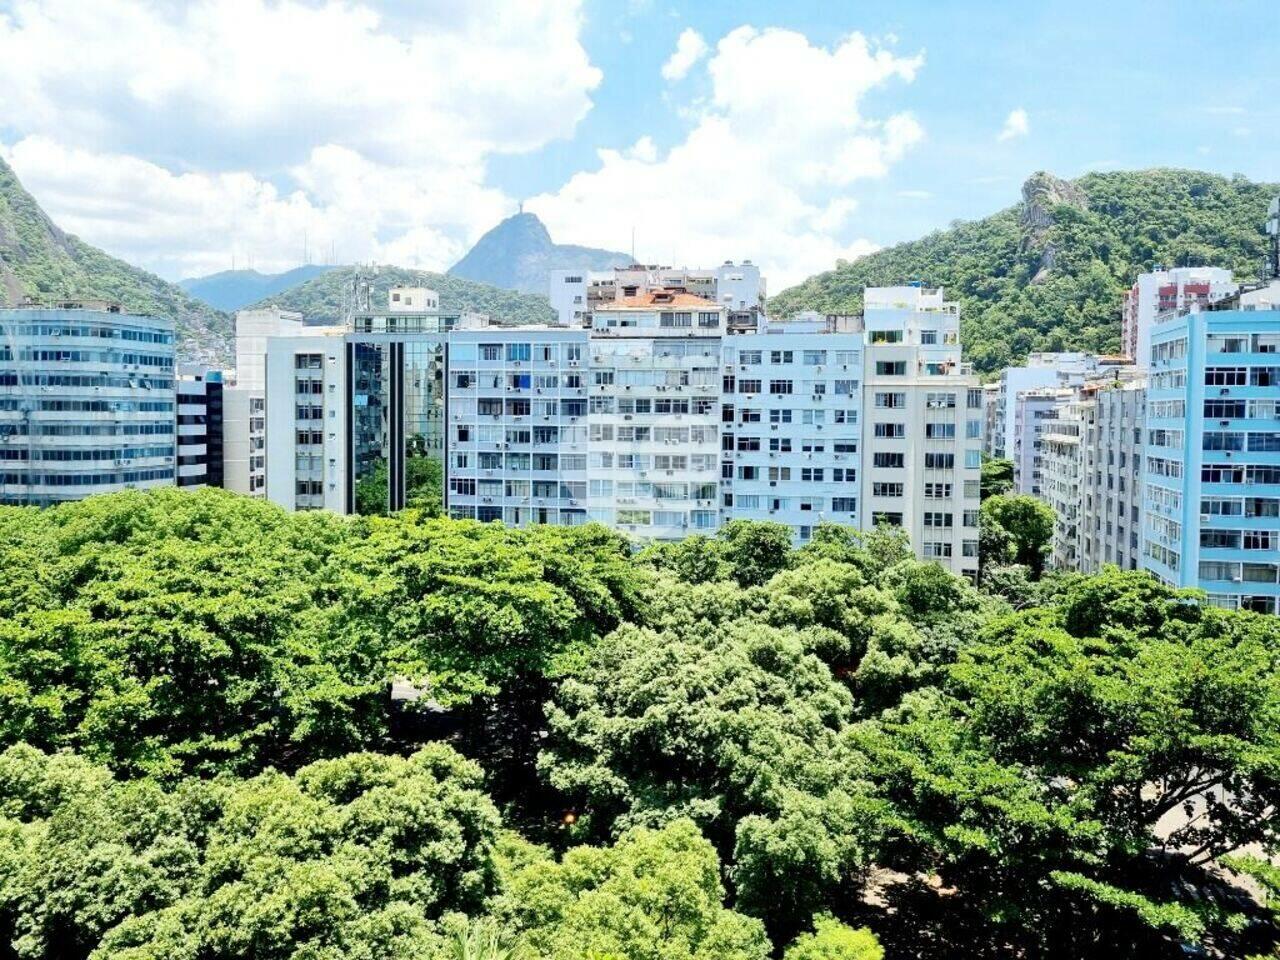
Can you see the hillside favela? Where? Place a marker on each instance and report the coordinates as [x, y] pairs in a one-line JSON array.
[[598, 480]]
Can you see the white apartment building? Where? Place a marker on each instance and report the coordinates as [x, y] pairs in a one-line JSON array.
[[1063, 462], [792, 414], [990, 408], [1111, 475], [922, 436], [1031, 410], [1041, 371], [1164, 291], [244, 454], [517, 425]]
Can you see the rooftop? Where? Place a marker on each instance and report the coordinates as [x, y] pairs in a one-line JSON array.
[[659, 298]]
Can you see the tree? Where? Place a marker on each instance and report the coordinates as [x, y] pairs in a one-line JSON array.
[[833, 940], [1020, 530], [997, 477], [754, 549], [654, 895], [360, 856]]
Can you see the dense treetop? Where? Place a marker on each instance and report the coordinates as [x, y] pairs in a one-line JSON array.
[[1049, 273], [719, 748]]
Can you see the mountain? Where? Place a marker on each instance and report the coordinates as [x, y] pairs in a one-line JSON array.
[[323, 299], [39, 260], [1049, 273], [518, 254], [232, 289]]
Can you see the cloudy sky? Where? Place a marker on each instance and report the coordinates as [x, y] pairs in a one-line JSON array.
[[178, 135]]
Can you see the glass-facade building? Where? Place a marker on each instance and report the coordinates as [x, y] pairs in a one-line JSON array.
[[87, 402]]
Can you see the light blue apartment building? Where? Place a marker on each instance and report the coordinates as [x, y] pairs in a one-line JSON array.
[[1211, 504]]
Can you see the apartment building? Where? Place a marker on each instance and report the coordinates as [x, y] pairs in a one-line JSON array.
[[1211, 509], [1167, 291], [792, 415], [922, 439], [1111, 474], [244, 401], [354, 415], [87, 401], [990, 410], [199, 426], [1031, 410], [738, 288], [1042, 371], [1063, 463], [517, 424]]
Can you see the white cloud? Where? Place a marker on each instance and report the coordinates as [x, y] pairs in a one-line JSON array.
[[690, 48], [175, 133], [762, 172], [1016, 124]]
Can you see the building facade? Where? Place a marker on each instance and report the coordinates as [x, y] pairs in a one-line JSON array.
[[922, 436], [738, 288], [199, 426], [87, 402], [1165, 291], [1211, 510], [1111, 475], [1031, 411]]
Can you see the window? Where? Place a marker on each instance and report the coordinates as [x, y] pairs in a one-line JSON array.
[[936, 550], [937, 519], [779, 416], [891, 401], [886, 336], [937, 491], [748, 386], [939, 431], [812, 474], [846, 387], [781, 356], [891, 431], [813, 358], [777, 387], [939, 461], [844, 504], [749, 358], [1226, 376], [887, 489], [891, 518], [891, 368], [491, 351], [889, 461]]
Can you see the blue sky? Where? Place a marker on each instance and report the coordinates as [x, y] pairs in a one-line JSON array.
[[184, 134]]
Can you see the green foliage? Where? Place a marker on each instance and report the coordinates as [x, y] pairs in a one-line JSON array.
[[997, 476], [203, 760], [1024, 288], [1016, 529], [199, 631], [325, 299], [654, 895], [39, 260], [357, 857], [833, 940]]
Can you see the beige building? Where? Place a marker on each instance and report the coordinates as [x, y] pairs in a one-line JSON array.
[[922, 439]]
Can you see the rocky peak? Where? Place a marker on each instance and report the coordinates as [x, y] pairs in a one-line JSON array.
[[1040, 194]]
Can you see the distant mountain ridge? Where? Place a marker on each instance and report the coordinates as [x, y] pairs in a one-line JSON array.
[[1049, 273], [324, 299], [233, 289], [39, 260], [519, 254]]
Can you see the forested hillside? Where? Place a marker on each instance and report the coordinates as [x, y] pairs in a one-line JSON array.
[[324, 299], [1049, 273], [722, 749], [38, 260]]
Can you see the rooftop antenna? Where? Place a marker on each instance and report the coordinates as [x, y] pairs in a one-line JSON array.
[[633, 243]]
